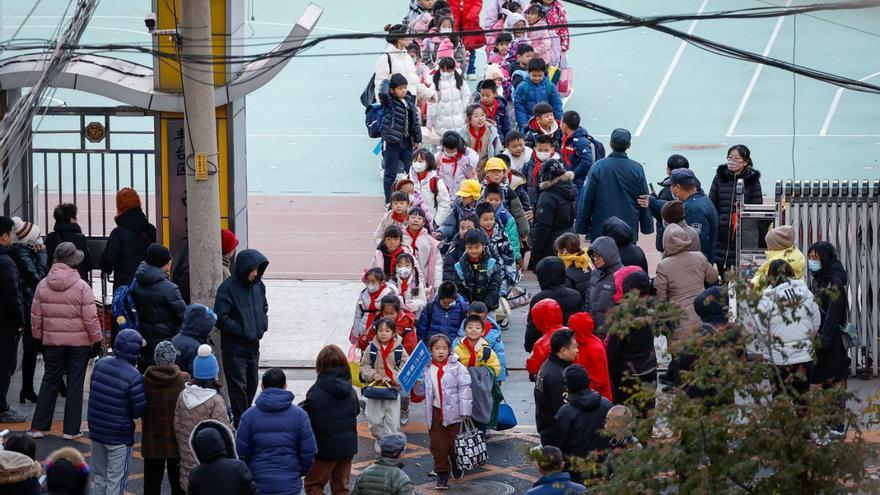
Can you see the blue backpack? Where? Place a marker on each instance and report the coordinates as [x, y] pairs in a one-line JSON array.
[[373, 116], [598, 148], [124, 312]]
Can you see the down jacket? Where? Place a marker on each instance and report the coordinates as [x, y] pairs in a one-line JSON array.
[[241, 306], [195, 330], [437, 319], [32, 267], [529, 94], [383, 477], [600, 297], [493, 147], [791, 318], [11, 311], [194, 405], [456, 385], [70, 232], [554, 215], [63, 312], [479, 281], [426, 251], [547, 318], [630, 253], [551, 279], [453, 170], [159, 305], [401, 121], [332, 406], [447, 113], [127, 246], [576, 427], [723, 196], [401, 63], [117, 394], [437, 202], [218, 470], [372, 368], [276, 441], [492, 336], [19, 474], [591, 353]]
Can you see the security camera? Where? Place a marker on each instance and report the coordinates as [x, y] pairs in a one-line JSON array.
[[150, 21]]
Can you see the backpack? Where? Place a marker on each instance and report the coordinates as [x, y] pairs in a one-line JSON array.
[[123, 310], [597, 148], [374, 354], [432, 185], [373, 117]]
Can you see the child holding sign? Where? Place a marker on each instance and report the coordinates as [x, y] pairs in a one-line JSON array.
[[379, 364]]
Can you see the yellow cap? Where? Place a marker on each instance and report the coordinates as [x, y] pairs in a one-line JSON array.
[[495, 163], [469, 187]]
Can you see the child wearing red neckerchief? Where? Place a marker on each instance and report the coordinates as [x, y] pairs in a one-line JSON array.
[[388, 250], [380, 363], [410, 284], [368, 306], [470, 349], [396, 215]]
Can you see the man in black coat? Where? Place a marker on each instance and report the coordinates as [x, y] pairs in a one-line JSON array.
[[11, 320], [128, 242], [158, 301], [551, 278], [630, 253], [68, 230], [672, 163], [554, 210], [549, 384], [242, 317]]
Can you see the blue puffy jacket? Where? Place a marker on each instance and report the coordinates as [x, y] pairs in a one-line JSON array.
[[275, 439], [117, 393], [436, 319], [556, 484], [495, 342], [529, 94]]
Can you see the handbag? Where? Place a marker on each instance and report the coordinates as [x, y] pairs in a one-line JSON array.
[[506, 417], [368, 96], [354, 365], [850, 335], [379, 392], [565, 82], [470, 447]]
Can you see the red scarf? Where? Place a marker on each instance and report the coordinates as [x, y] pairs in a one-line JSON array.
[[392, 268], [486, 327], [478, 137], [414, 235], [422, 175], [401, 219], [536, 170], [371, 308], [384, 353], [453, 161], [404, 283], [566, 152], [489, 232], [440, 381], [472, 360], [491, 110]]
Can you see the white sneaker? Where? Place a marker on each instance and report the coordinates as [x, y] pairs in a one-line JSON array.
[[404, 417], [72, 437], [36, 433]]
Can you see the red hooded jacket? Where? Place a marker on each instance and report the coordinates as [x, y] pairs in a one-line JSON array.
[[547, 317], [466, 14], [591, 353]]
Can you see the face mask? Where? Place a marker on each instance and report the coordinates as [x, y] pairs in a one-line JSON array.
[[735, 167], [814, 265], [404, 271], [445, 30], [543, 155], [419, 167], [446, 75], [449, 154], [372, 288]]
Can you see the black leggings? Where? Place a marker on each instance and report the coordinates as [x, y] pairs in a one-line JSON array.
[[30, 348]]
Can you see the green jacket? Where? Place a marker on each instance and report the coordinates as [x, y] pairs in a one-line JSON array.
[[383, 478]]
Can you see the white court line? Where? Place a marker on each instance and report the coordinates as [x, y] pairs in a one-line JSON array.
[[756, 75], [805, 135], [668, 75], [833, 108]]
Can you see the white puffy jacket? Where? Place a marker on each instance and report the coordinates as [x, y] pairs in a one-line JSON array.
[[790, 319], [447, 113], [401, 63], [437, 203]]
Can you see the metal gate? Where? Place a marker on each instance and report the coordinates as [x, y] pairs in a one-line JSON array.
[[83, 155], [846, 214]]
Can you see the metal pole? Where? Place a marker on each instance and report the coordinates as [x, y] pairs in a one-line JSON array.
[[202, 191]]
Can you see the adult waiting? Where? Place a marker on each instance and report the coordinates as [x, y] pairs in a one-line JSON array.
[[11, 320], [672, 163], [630, 252], [554, 211], [600, 296], [158, 301], [550, 385], [723, 195], [396, 60], [551, 279], [612, 188], [65, 319], [68, 230], [128, 242], [830, 279]]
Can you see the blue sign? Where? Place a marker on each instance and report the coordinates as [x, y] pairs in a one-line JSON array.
[[414, 367]]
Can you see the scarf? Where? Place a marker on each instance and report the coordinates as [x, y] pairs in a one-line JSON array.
[[384, 352], [566, 151], [391, 260], [440, 381], [492, 109], [371, 308], [536, 170], [478, 138], [422, 175], [453, 161], [401, 219], [472, 359], [404, 284], [414, 235], [581, 261], [486, 327]]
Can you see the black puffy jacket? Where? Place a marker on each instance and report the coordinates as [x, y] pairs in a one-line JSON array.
[[160, 308], [577, 279], [479, 281], [630, 253], [554, 215], [401, 121], [195, 330], [32, 267], [602, 285], [127, 246], [70, 232], [723, 196], [633, 354], [11, 310], [832, 361], [576, 427], [551, 278], [665, 194], [332, 406], [219, 472], [241, 305], [549, 395]]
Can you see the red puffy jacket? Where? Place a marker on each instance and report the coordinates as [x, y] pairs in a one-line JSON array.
[[405, 326], [591, 353], [547, 317], [467, 18]]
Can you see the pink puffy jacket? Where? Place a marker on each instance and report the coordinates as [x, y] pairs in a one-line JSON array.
[[63, 312]]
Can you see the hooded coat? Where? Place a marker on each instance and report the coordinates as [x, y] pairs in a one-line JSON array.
[[437, 319], [11, 310], [66, 472], [332, 406], [194, 331], [547, 318], [447, 113], [437, 197], [576, 426], [591, 353], [383, 477], [792, 319], [163, 385], [832, 362], [195, 405], [602, 286], [241, 305], [723, 197], [551, 279], [630, 253], [127, 246], [63, 312], [276, 441], [70, 232], [218, 470], [577, 273], [401, 122], [19, 474], [492, 336], [554, 215], [32, 266], [159, 305], [612, 188], [117, 394]]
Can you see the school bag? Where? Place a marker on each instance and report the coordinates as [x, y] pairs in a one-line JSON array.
[[124, 312], [373, 116], [597, 148], [368, 96], [374, 354]]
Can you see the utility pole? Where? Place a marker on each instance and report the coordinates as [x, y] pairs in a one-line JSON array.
[[202, 179]]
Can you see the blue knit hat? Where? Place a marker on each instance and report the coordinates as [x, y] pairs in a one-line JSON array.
[[205, 365]]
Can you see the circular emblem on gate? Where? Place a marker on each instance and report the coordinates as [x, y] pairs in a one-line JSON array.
[[95, 132]]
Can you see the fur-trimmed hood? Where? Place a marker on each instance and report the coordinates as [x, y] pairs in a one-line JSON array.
[[70, 454], [16, 467], [749, 174], [566, 177]]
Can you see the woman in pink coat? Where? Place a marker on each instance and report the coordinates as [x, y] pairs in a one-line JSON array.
[[64, 318]]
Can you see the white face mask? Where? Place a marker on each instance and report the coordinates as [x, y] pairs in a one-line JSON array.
[[372, 288], [449, 154], [446, 75], [543, 155], [404, 271], [419, 167], [445, 30]]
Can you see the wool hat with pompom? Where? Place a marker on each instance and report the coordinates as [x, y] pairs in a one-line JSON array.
[[205, 365], [26, 232]]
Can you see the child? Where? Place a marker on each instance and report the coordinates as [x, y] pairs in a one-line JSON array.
[[388, 250], [544, 151], [499, 242], [425, 249], [198, 322], [781, 245], [546, 316], [491, 333], [495, 107], [446, 112], [448, 402], [418, 9], [414, 50], [516, 23], [443, 315], [117, 397], [533, 90], [521, 53], [66, 473], [368, 305], [199, 402], [410, 284], [481, 136], [415, 198], [401, 128], [556, 17], [404, 323], [543, 123], [396, 215], [495, 198], [500, 46], [387, 470], [444, 43], [553, 480], [545, 42], [455, 247], [591, 353], [163, 383], [467, 18], [577, 147], [456, 162], [515, 201], [467, 196], [477, 274], [516, 149], [218, 468], [426, 180], [382, 359]]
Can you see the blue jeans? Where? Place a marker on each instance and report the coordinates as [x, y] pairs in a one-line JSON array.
[[472, 62], [393, 155]]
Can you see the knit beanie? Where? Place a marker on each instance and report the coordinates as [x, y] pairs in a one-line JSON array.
[[68, 254], [126, 199], [157, 255], [165, 353], [26, 232], [672, 212], [397, 80], [205, 365], [228, 241], [576, 378], [778, 239]]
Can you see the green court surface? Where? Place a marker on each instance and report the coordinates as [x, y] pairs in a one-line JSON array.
[[306, 134]]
